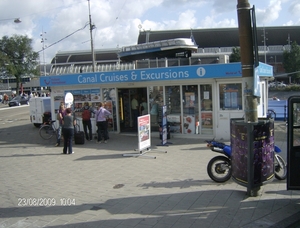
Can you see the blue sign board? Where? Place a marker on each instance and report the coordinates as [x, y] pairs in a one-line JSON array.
[[229, 70]]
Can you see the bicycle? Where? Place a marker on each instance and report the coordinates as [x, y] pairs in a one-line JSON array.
[[48, 129]]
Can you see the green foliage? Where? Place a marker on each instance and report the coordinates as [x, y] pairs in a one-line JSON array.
[[235, 55], [291, 61], [17, 57]]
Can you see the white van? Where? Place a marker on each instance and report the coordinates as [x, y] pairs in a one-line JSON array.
[[39, 108]]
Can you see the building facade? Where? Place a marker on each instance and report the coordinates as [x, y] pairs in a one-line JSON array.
[[199, 99]]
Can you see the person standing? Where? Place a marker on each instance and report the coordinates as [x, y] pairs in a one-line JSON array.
[[143, 107], [5, 99], [135, 110], [60, 115], [68, 124], [101, 115], [86, 121]]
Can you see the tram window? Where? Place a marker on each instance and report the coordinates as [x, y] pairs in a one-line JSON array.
[[172, 42], [178, 42]]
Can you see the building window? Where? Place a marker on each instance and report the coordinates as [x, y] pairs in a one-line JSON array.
[[190, 109], [206, 122], [155, 103], [230, 96], [173, 103]]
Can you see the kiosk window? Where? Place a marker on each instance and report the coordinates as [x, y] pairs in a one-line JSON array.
[[190, 109], [173, 103], [231, 96], [155, 101]]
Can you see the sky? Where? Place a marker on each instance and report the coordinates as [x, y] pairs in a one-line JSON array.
[[63, 25]]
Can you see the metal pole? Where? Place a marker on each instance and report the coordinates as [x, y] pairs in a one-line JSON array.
[[247, 59], [91, 34], [43, 41], [250, 101], [6, 64], [265, 48]]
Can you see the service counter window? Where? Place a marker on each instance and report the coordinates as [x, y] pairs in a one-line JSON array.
[[206, 121], [231, 96], [190, 109], [90, 96], [109, 99], [173, 103], [155, 105]]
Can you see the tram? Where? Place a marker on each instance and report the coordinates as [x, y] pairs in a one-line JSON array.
[[172, 48]]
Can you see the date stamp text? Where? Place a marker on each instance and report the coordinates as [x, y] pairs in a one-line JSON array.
[[45, 202]]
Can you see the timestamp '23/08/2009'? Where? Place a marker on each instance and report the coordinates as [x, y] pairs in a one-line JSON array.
[[45, 202]]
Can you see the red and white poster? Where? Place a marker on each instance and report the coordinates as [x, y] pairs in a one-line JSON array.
[[144, 132]]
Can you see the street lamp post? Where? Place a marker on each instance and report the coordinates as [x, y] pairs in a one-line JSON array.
[[91, 34], [8, 83], [265, 44], [6, 64], [43, 42]]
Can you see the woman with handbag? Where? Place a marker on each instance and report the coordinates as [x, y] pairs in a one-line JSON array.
[[60, 115], [68, 124]]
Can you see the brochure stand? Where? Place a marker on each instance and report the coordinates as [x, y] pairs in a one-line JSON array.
[[144, 138], [165, 130]]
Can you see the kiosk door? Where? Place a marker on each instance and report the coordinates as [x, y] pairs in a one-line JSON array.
[[293, 147], [126, 116]]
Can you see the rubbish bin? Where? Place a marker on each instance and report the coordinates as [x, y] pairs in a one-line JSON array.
[[161, 131], [252, 152]]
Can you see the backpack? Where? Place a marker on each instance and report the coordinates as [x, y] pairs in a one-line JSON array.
[[86, 114]]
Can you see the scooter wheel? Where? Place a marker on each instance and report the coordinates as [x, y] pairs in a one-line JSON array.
[[219, 169]]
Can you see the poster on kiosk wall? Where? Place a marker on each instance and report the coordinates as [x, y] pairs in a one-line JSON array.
[[144, 132]]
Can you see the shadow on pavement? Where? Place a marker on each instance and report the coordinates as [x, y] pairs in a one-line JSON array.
[[164, 209]]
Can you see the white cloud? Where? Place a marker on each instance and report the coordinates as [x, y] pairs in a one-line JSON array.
[[269, 14], [117, 21], [294, 8], [289, 23], [221, 6]]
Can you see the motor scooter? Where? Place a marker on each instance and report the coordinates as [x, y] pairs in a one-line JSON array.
[[219, 167]]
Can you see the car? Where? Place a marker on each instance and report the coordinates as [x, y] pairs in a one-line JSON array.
[[276, 84], [19, 100]]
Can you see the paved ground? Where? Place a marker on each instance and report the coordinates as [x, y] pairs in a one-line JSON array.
[[99, 187]]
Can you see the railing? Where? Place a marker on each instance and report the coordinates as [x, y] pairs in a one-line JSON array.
[[279, 108], [71, 69], [162, 43]]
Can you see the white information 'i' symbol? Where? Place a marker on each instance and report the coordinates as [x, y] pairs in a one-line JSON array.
[[201, 71]]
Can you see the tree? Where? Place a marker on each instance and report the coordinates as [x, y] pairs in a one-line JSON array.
[[291, 61], [17, 57], [235, 55]]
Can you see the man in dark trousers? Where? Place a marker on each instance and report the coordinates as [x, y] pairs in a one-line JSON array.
[[86, 121], [135, 110], [101, 116]]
